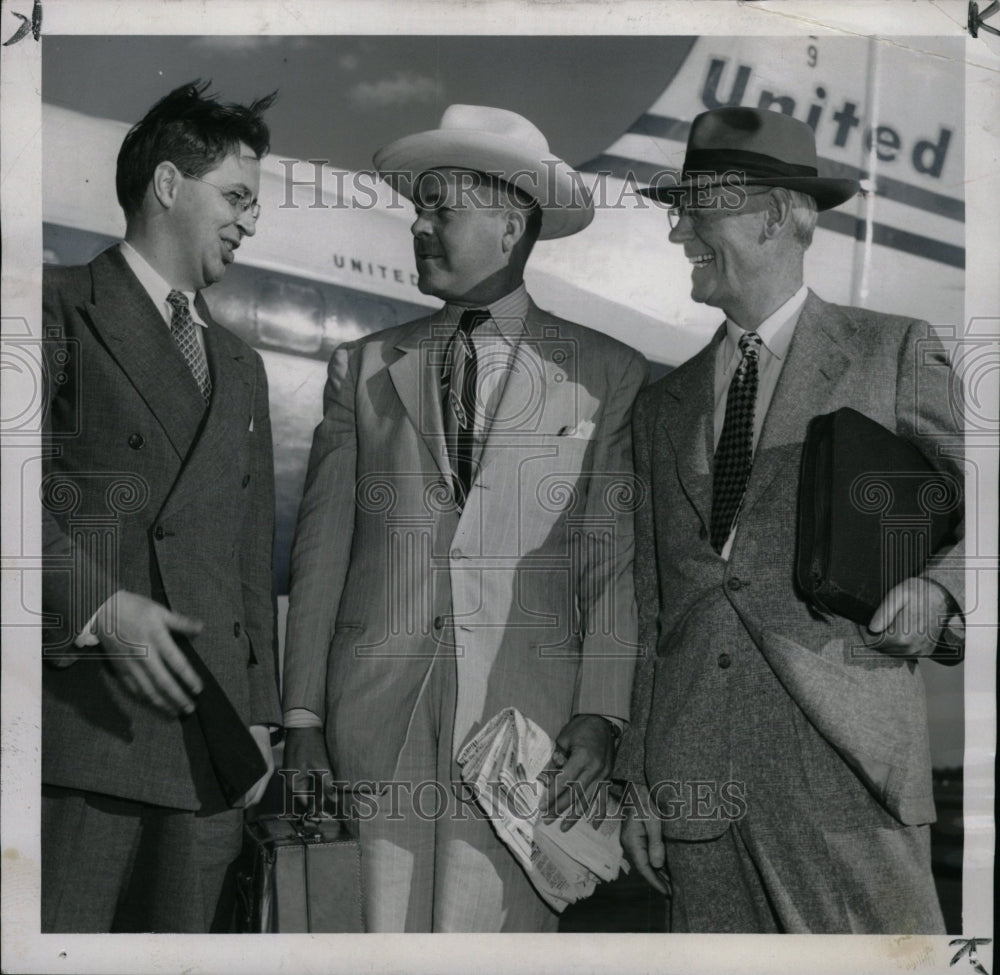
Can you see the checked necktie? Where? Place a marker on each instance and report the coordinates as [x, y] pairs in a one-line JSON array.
[[460, 408], [734, 454], [185, 333]]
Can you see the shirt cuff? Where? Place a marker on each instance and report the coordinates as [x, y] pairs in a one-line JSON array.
[[301, 718], [87, 637]]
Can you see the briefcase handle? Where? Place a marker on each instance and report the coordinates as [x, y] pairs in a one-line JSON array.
[[307, 828]]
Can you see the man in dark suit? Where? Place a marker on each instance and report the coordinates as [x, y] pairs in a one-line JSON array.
[[785, 750], [157, 529]]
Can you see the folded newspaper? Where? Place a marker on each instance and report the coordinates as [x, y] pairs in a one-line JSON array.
[[501, 765]]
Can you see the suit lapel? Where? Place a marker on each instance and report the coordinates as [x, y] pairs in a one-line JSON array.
[[530, 400], [229, 416], [135, 334], [416, 376], [688, 420], [821, 349]]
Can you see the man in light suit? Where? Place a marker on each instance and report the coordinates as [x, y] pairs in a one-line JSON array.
[[785, 750], [464, 542], [158, 513]]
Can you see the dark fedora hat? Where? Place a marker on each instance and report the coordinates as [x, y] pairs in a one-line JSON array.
[[756, 147]]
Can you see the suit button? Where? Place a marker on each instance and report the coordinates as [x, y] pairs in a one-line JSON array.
[[158, 532], [734, 584], [455, 553], [703, 533], [246, 479], [237, 629], [136, 441], [724, 661], [438, 622]]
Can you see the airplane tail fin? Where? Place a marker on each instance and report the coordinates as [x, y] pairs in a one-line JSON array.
[[654, 141]]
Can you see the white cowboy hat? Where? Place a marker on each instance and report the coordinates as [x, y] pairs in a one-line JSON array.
[[498, 143]]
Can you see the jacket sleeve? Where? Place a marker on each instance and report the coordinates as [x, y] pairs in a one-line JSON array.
[[256, 547], [322, 548], [605, 586], [74, 582], [630, 757], [929, 412]]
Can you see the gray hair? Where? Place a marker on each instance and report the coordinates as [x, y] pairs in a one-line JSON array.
[[804, 216]]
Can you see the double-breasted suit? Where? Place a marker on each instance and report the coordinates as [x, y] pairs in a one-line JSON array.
[[787, 714], [146, 490]]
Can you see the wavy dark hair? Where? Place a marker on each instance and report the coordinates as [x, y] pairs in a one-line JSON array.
[[191, 129]]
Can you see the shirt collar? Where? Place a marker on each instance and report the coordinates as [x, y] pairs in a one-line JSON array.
[[507, 314], [154, 285], [775, 331]]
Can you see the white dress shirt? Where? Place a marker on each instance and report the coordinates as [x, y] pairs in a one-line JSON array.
[[158, 289]]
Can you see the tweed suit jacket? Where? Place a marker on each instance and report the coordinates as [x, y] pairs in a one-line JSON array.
[[145, 490], [529, 586], [740, 681]]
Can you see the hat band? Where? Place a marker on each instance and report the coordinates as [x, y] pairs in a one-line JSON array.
[[752, 165]]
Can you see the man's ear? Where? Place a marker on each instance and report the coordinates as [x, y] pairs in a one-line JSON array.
[[166, 183], [514, 227], [778, 215]]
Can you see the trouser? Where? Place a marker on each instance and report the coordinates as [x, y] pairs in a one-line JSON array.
[[112, 864], [793, 876], [430, 860]]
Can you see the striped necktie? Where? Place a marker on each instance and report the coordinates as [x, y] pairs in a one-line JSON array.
[[734, 455], [185, 333], [461, 401]]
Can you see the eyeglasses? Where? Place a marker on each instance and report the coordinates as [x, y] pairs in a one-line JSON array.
[[721, 205], [241, 202]]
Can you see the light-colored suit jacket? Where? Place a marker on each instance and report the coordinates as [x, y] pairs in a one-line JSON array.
[[529, 586], [741, 681], [146, 491]]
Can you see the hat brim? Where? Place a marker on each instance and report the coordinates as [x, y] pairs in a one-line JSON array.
[[567, 207], [828, 192]]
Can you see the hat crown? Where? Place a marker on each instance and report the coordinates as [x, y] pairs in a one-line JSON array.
[[762, 131], [502, 144], [497, 122]]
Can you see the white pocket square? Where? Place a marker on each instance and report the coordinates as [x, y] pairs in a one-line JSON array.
[[251, 425]]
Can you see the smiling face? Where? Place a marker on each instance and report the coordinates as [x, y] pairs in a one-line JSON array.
[[206, 225], [458, 235], [726, 247]]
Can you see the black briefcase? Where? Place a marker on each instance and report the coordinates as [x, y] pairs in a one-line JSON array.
[[871, 511], [299, 875]]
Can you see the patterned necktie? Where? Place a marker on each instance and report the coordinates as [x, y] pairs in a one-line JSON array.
[[461, 402], [185, 333], [734, 454]]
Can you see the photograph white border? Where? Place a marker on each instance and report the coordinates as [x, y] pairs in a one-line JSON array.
[[25, 950]]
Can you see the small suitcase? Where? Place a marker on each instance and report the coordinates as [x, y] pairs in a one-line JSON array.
[[300, 875]]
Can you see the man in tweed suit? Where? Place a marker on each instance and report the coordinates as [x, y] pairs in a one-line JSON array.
[[158, 519], [785, 751], [434, 584]]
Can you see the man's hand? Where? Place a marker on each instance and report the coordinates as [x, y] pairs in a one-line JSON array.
[[582, 760], [305, 752], [642, 841], [261, 735], [135, 632], [910, 618]]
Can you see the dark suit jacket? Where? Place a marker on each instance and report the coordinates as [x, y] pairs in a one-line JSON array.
[[144, 490], [741, 681]]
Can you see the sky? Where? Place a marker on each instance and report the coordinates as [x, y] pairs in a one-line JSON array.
[[340, 98]]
